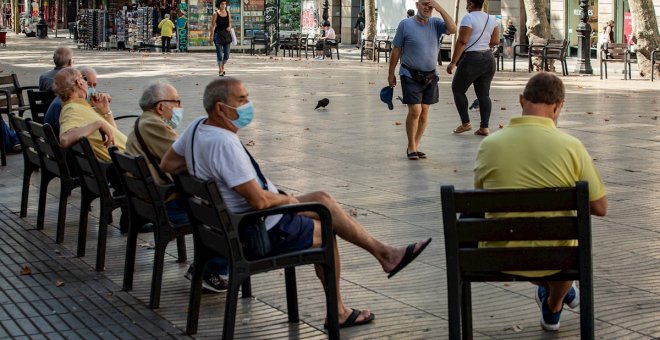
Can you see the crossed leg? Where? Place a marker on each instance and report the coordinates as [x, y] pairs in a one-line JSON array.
[[350, 230]]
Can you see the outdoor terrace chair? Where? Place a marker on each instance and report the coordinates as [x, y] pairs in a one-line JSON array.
[[613, 53], [384, 46], [260, 38], [11, 101], [39, 103], [555, 50], [146, 200], [31, 162], [53, 165], [535, 50], [467, 263], [498, 53], [520, 51], [655, 59], [328, 46], [215, 232], [94, 176]]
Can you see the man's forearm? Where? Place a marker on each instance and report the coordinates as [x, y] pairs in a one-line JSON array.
[[72, 136], [449, 21], [394, 59]]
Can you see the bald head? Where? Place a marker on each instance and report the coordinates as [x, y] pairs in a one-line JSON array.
[[64, 83], [62, 57]]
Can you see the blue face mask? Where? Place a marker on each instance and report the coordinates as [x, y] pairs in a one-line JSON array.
[[90, 92], [245, 113], [177, 115]]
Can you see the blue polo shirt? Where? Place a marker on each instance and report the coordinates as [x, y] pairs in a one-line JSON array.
[[419, 43]]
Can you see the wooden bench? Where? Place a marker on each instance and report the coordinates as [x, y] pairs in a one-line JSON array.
[[555, 50], [614, 53], [467, 263]]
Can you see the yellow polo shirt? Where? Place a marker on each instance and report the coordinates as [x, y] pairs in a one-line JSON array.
[[166, 27], [77, 113], [532, 153]]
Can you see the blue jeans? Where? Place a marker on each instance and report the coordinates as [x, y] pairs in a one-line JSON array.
[[178, 215], [221, 50], [478, 69], [9, 138]]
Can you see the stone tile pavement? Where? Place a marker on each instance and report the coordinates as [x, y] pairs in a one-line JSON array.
[[355, 150]]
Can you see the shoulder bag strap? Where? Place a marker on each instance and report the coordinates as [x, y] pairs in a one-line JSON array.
[[480, 35], [192, 146], [149, 155]]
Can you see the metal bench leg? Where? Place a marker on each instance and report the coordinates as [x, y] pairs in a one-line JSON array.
[[291, 294]]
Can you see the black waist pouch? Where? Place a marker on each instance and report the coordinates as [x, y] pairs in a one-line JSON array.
[[421, 77], [255, 240]]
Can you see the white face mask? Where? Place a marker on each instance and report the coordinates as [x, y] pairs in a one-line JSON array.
[[177, 115]]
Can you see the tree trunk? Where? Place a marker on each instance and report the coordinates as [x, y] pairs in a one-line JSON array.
[[645, 31], [370, 24], [538, 27]]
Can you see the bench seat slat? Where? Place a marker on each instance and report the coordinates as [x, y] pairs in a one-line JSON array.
[[477, 201]]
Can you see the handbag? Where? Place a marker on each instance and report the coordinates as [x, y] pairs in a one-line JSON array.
[[253, 234], [234, 41], [224, 37]]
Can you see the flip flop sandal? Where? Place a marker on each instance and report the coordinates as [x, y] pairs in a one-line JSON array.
[[352, 319], [408, 257]]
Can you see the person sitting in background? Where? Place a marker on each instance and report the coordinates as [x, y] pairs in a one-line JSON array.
[[529, 153], [52, 116], [151, 137], [82, 119], [328, 38], [62, 57]]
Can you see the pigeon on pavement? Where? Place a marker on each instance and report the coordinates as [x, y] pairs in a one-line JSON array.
[[322, 103]]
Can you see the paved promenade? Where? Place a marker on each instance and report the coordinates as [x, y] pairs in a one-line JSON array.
[[355, 149]]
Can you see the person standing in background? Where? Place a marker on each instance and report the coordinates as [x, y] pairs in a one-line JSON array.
[[358, 28], [410, 13], [221, 34], [509, 37], [477, 34], [166, 27]]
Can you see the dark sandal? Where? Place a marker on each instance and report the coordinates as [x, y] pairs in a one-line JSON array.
[[413, 156], [408, 257], [352, 319], [421, 154]]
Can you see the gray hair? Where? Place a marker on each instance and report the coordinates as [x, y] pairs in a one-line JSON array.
[[64, 82], [62, 56], [86, 71], [167, 16], [218, 91], [153, 92]]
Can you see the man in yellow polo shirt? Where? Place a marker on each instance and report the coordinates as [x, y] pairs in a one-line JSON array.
[[80, 118], [532, 153]]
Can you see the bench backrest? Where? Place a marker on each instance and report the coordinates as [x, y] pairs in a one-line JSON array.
[[39, 103], [53, 157], [471, 263], [20, 126], [8, 83], [614, 52], [146, 198], [91, 170]]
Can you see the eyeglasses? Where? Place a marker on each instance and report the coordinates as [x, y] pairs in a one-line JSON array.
[[177, 101], [88, 82]]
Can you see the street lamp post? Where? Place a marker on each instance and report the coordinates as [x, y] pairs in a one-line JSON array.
[[584, 36]]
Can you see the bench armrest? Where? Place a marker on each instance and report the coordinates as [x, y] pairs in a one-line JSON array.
[[126, 116]]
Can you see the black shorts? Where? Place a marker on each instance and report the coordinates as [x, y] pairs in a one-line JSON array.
[[293, 232], [416, 93]]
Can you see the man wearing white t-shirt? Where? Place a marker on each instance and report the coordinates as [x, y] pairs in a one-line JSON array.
[[210, 149]]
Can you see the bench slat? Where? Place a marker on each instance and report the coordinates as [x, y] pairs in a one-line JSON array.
[[493, 260], [514, 200], [517, 229]]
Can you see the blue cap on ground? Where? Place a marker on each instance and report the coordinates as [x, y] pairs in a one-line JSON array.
[[386, 95]]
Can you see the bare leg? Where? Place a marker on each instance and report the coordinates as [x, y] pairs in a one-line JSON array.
[[422, 123], [350, 230], [412, 125], [557, 290]]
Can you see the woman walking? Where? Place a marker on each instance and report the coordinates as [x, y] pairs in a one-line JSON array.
[[478, 32], [221, 34]]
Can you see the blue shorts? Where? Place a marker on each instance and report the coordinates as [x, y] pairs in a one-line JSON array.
[[293, 232]]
